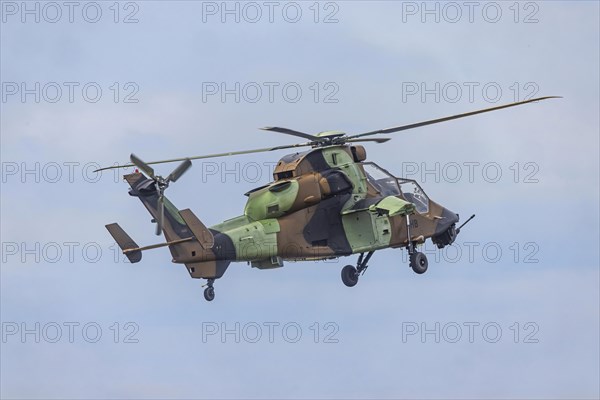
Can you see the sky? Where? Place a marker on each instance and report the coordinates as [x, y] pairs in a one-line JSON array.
[[511, 310]]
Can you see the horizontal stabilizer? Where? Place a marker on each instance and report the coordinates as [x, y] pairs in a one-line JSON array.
[[125, 242], [204, 236]]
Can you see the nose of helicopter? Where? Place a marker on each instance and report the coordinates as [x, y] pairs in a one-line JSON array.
[[445, 230], [448, 218]]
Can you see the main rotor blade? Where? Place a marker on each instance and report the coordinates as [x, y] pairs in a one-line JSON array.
[[180, 170], [291, 132], [438, 120], [233, 153], [142, 165], [376, 140]]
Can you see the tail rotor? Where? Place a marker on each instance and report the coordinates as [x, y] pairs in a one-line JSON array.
[[161, 184]]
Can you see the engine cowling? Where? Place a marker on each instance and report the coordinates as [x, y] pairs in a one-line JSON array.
[[290, 195]]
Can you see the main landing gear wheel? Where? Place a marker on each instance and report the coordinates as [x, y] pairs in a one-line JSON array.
[[349, 275], [209, 292], [418, 262]]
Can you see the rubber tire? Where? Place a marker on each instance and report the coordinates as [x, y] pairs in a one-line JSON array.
[[349, 276], [209, 293], [418, 262]]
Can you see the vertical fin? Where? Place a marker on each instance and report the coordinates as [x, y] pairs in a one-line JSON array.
[[204, 236]]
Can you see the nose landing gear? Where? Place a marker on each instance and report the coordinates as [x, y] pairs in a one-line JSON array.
[[418, 260]]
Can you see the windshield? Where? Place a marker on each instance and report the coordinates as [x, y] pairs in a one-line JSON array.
[[388, 185], [412, 192]]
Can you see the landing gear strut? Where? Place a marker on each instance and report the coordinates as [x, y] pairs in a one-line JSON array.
[[418, 260], [209, 292], [350, 273]]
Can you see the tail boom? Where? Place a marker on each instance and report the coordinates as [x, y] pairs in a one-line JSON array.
[[205, 252]]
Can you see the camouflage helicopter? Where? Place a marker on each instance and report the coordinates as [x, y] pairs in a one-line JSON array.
[[323, 203]]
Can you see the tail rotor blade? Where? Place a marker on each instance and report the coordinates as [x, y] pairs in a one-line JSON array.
[[180, 170], [142, 165], [161, 215]]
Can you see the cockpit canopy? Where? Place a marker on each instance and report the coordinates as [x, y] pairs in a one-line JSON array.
[[388, 185]]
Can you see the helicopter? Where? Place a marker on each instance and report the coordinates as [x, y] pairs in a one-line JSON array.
[[323, 203]]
